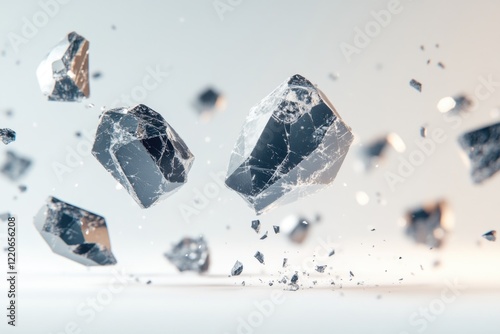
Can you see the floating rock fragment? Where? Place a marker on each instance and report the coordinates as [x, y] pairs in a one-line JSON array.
[[455, 105], [320, 269], [237, 269], [143, 153], [491, 235], [15, 166], [260, 257], [429, 224], [7, 135], [64, 74], [256, 225], [75, 233], [374, 152], [292, 144], [415, 84], [482, 147], [209, 102], [276, 229], [295, 227], [190, 254]]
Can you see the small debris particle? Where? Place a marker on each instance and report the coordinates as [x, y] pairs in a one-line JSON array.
[[491, 235], [243, 283], [148, 282], [422, 47], [285, 261], [415, 84], [294, 278], [264, 236], [7, 135], [22, 188], [276, 229], [78, 134], [321, 269], [260, 257], [332, 252], [440, 64], [256, 225], [428, 61], [96, 75], [372, 229], [237, 269], [351, 274]]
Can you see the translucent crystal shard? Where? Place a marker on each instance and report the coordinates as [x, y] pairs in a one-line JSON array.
[[429, 224], [143, 152], [190, 255], [64, 74], [7, 135], [77, 234], [292, 144], [482, 146]]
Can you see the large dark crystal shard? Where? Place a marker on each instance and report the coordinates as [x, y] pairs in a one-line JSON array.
[[190, 255], [143, 152], [77, 234], [292, 144], [7, 135], [429, 224], [482, 146], [64, 74]]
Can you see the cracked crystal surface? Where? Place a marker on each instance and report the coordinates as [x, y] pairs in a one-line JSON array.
[[190, 255], [143, 153], [482, 147], [429, 224], [292, 144], [64, 74], [75, 233]]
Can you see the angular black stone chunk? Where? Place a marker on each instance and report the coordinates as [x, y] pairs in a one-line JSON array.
[[482, 146], [143, 152], [75, 233]]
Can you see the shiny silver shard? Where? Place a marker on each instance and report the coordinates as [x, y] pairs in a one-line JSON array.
[[260, 257], [429, 224], [15, 166], [75, 233], [190, 255], [482, 147], [142, 152], [7, 135], [292, 144], [64, 74], [237, 269]]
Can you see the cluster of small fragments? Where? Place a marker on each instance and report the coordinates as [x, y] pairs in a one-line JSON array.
[[293, 143]]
